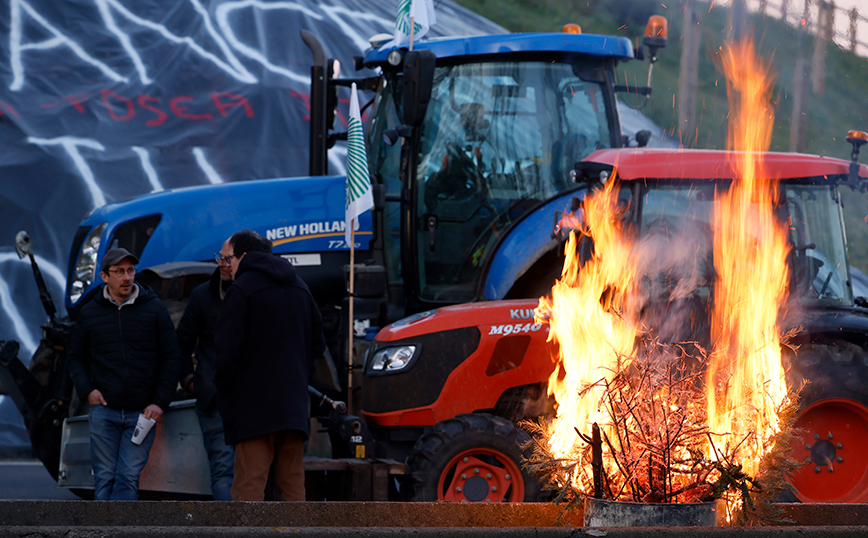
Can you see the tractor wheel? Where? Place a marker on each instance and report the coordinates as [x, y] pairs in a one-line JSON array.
[[833, 421], [472, 458]]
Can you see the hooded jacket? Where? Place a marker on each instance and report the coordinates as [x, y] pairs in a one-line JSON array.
[[269, 335], [196, 332], [130, 354]]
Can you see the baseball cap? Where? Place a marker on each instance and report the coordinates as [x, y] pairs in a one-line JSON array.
[[114, 257]]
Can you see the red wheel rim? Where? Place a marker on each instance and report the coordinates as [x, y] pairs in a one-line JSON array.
[[481, 475], [831, 450]]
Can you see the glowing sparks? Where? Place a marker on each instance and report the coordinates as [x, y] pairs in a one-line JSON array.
[[598, 314]]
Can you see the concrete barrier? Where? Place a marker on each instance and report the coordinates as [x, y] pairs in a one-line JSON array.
[[167, 519]]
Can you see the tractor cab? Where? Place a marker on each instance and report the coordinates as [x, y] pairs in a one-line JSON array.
[[468, 136], [674, 195]]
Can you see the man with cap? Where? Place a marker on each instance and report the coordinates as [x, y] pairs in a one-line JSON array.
[[124, 361]]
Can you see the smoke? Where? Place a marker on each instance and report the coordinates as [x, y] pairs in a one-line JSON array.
[[674, 272]]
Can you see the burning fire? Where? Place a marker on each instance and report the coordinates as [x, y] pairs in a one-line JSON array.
[[745, 380], [610, 354], [586, 326]]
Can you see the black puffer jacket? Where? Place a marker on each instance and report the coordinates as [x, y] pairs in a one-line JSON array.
[[269, 335], [196, 331], [130, 354]]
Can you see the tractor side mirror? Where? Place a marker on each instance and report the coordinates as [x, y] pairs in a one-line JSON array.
[[418, 83], [22, 245]]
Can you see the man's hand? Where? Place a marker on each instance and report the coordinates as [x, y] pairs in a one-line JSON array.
[[153, 411], [95, 398]]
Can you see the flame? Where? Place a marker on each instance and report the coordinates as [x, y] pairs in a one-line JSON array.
[[745, 377], [583, 314], [594, 316]]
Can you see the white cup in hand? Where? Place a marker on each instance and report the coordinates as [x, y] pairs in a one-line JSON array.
[[143, 426]]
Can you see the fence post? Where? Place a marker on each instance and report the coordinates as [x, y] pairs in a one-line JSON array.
[[825, 19], [688, 80], [798, 121], [737, 19]]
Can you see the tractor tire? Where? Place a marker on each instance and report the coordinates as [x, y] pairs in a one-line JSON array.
[[833, 423], [472, 458]]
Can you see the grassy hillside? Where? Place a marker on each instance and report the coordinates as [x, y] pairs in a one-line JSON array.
[[842, 107]]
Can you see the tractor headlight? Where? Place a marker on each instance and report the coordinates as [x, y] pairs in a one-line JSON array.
[[85, 267], [394, 358]]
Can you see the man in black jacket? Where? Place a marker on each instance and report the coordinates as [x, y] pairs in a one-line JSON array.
[[124, 361], [196, 331], [269, 335]]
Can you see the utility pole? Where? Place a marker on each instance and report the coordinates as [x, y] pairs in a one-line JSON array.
[[688, 81]]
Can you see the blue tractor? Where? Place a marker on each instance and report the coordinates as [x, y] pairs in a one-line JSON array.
[[471, 146]]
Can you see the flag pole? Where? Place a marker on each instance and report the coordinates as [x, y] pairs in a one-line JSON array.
[[412, 27], [352, 331], [359, 200]]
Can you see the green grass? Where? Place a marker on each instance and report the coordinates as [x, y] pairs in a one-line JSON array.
[[843, 106]]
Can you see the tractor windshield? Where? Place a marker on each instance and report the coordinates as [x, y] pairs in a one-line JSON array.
[[819, 273], [499, 138], [820, 270]]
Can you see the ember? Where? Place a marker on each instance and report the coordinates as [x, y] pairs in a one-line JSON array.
[[689, 398]]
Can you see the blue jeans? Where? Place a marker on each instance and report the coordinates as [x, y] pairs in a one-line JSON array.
[[117, 462], [220, 456]]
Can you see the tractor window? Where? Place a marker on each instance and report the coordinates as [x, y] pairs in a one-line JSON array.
[[677, 218], [500, 138], [820, 274]]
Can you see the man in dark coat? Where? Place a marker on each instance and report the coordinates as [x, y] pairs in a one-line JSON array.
[[196, 332], [124, 361], [269, 335]]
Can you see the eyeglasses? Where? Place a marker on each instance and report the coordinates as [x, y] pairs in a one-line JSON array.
[[120, 272], [223, 259]]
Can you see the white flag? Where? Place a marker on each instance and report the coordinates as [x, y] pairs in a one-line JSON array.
[[359, 195], [421, 12]]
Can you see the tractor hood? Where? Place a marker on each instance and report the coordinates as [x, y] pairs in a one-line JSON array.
[[299, 215], [458, 317], [438, 364]]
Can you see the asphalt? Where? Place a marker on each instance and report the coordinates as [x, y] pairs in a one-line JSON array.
[[86, 519]]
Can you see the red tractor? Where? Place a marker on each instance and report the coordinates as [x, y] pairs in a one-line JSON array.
[[443, 390]]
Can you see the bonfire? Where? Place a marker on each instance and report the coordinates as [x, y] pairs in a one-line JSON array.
[[643, 414]]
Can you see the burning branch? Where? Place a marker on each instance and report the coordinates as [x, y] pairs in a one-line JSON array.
[[655, 446]]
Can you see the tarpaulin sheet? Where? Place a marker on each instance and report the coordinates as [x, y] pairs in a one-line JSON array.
[[104, 100]]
